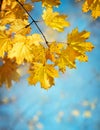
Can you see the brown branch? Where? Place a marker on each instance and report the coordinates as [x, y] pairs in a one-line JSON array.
[[33, 21]]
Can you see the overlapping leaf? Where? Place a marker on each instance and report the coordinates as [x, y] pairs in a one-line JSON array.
[[5, 43], [67, 59], [22, 49], [8, 72], [54, 50], [43, 73]]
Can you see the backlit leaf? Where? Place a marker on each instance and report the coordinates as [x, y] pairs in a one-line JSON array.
[[55, 20]]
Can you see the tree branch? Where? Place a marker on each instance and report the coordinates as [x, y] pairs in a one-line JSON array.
[[33, 21]]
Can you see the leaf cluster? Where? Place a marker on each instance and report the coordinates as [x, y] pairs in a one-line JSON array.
[[46, 59]]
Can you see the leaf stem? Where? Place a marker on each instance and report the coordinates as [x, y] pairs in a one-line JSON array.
[[33, 21]]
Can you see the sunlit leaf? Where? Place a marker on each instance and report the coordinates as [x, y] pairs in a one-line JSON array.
[[55, 20], [44, 74]]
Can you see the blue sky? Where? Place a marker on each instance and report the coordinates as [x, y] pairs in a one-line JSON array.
[[74, 102]]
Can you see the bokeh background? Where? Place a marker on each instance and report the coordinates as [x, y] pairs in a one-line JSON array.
[[74, 102]]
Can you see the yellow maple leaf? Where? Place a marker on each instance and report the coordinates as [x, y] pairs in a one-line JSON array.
[[93, 6], [12, 11], [43, 73], [7, 18], [19, 27], [21, 50], [39, 53], [54, 49], [66, 59], [5, 43], [55, 20], [2, 28], [77, 41], [8, 72], [23, 46]]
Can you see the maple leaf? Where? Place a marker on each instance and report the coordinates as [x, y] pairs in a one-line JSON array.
[[23, 47], [2, 28], [94, 6], [19, 27], [5, 43], [53, 50], [21, 50], [43, 73], [13, 11], [77, 41], [39, 53], [7, 18], [66, 59], [8, 72], [55, 20]]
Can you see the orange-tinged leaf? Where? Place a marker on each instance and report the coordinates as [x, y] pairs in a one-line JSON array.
[[8, 72]]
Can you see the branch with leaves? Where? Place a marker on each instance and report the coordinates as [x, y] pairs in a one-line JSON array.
[[46, 59]]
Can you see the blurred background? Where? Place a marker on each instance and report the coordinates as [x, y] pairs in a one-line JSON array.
[[74, 102]]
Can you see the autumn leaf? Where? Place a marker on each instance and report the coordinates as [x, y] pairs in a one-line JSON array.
[[55, 20], [77, 41], [19, 26], [89, 2], [53, 50], [5, 43], [66, 59], [39, 53], [44, 74], [21, 50], [2, 27], [93, 6], [8, 72]]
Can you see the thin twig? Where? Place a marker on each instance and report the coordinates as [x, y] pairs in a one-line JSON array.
[[33, 21]]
